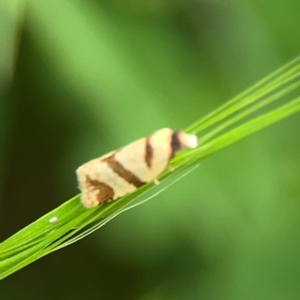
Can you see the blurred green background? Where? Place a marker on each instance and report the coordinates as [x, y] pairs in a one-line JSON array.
[[80, 78]]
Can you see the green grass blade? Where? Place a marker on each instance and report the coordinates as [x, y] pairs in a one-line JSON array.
[[271, 82], [71, 221]]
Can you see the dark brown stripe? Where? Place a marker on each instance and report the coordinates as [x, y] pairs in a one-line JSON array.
[[148, 153], [105, 192], [122, 172], [175, 143]]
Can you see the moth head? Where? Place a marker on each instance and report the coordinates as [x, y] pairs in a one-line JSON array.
[[180, 140]]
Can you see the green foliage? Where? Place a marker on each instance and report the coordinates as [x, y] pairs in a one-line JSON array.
[[80, 78]]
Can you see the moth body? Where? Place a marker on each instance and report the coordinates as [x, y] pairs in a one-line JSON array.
[[122, 171]]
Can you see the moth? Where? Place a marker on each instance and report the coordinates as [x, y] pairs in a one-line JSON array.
[[122, 171]]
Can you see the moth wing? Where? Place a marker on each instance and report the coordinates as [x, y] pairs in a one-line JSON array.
[[99, 183]]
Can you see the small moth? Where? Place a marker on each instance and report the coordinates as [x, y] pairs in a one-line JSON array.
[[122, 171]]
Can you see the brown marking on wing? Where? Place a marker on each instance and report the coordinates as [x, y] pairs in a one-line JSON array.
[[105, 192], [122, 172], [148, 153], [175, 144]]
